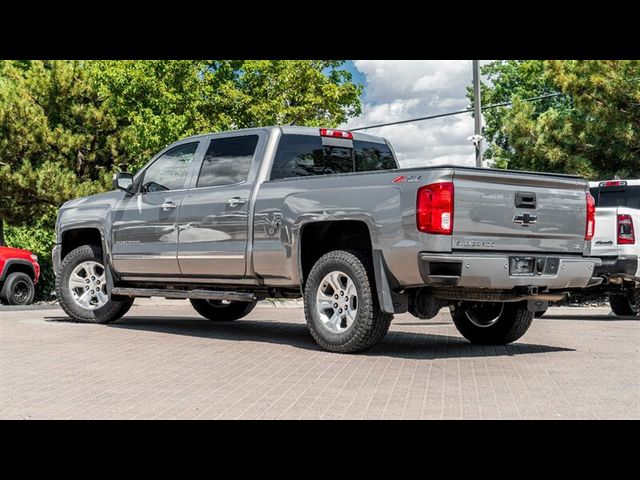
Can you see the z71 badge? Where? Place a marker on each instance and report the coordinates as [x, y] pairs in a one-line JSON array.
[[406, 178]]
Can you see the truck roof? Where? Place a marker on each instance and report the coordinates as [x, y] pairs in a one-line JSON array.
[[297, 130]]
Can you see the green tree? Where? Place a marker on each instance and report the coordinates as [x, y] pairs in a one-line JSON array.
[[54, 139], [590, 129]]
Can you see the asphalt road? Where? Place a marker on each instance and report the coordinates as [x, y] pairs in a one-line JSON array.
[[163, 361]]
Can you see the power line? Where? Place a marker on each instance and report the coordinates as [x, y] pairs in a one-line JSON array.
[[459, 112]]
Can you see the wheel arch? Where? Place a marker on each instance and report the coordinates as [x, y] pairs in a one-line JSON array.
[[17, 265], [320, 237], [74, 237]]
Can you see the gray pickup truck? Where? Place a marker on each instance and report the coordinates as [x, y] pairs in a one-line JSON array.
[[227, 219]]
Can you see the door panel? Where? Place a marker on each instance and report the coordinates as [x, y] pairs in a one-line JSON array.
[[145, 235], [214, 216], [145, 226], [213, 232]]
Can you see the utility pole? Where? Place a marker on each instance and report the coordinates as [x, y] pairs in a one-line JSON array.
[[477, 112]]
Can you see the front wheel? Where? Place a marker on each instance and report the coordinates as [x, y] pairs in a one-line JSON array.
[[341, 304], [490, 323], [81, 288], [221, 311], [18, 289]]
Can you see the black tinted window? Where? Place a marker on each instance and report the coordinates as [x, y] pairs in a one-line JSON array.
[[169, 172], [338, 160], [298, 155], [227, 161], [619, 197], [304, 155], [370, 156]]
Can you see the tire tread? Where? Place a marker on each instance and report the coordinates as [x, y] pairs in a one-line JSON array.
[[621, 306], [5, 292], [234, 311], [111, 312], [372, 324], [515, 322]]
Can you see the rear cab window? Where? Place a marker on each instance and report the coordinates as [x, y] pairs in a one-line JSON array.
[[305, 155], [623, 196]]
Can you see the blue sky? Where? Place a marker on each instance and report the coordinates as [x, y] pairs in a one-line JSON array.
[[358, 76], [402, 89]]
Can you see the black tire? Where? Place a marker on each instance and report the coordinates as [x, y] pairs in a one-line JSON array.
[[626, 305], [18, 289], [370, 324], [218, 311], [503, 322], [540, 314], [110, 312]]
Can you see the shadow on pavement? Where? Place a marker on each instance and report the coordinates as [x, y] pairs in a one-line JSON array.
[[599, 318], [400, 344]]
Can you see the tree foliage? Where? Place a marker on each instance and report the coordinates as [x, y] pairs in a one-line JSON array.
[[592, 128], [65, 126]]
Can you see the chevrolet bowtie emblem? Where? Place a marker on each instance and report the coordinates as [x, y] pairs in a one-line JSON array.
[[525, 219]]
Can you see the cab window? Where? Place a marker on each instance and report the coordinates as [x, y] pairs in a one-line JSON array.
[[169, 172]]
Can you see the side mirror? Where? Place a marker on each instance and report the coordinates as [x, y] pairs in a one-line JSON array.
[[123, 181]]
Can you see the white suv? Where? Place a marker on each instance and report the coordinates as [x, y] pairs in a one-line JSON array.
[[617, 217]]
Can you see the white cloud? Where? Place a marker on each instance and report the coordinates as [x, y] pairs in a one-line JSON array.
[[400, 89]]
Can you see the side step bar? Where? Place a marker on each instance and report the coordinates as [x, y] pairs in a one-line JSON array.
[[198, 294]]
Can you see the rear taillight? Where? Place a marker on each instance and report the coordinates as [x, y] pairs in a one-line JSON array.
[[591, 217], [434, 208], [328, 132], [626, 235]]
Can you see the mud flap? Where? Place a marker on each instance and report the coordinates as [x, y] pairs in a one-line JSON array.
[[390, 302]]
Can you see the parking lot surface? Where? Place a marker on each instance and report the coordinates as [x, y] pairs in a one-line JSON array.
[[163, 361]]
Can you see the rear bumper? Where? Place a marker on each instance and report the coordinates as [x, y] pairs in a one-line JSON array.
[[624, 266], [491, 271], [56, 258]]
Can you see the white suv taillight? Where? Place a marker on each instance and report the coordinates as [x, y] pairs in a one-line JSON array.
[[626, 235], [591, 217], [434, 208]]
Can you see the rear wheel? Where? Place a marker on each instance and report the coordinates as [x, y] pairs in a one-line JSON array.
[[626, 305], [490, 323], [341, 304], [18, 289], [540, 313], [82, 290], [222, 311]]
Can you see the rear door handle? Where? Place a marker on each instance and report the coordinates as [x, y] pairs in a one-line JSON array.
[[236, 201], [166, 206]]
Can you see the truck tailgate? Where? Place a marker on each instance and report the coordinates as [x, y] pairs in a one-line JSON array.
[[605, 240], [518, 211]]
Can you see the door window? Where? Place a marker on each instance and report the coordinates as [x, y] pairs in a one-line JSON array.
[[169, 172], [227, 161]]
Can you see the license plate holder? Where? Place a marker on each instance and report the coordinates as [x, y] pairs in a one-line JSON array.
[[522, 266]]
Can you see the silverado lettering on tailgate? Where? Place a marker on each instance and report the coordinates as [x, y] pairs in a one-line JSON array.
[[475, 243]]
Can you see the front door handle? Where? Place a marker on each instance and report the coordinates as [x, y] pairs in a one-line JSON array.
[[236, 201], [166, 206]]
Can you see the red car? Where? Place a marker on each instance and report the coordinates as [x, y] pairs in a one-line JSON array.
[[19, 272]]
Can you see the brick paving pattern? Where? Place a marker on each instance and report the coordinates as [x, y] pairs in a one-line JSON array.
[[163, 361]]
